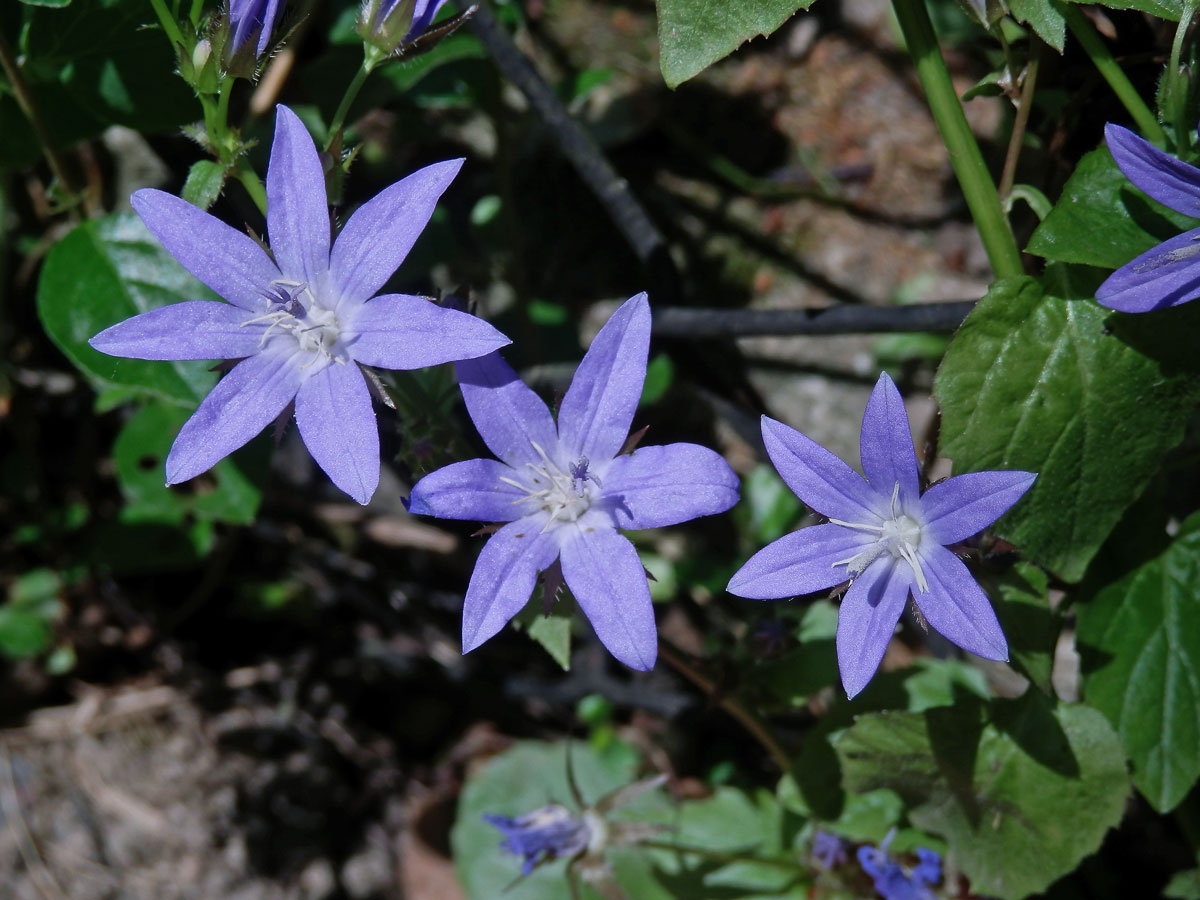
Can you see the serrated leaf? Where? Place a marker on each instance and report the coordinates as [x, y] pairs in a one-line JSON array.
[[204, 182], [1163, 9], [1101, 219], [103, 272], [694, 34], [1088, 399], [1021, 792], [1141, 653], [1044, 17]]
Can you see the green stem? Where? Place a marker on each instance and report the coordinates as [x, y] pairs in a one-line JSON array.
[[1177, 83], [221, 119], [977, 185], [1110, 69], [371, 58], [170, 26], [252, 183]]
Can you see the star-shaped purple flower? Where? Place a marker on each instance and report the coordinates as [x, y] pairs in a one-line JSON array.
[[892, 881], [565, 489], [884, 536], [300, 323], [545, 834], [1168, 274]]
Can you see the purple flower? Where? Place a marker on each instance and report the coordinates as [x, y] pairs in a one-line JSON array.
[[1168, 274], [884, 536], [252, 18], [565, 489], [301, 323], [893, 882], [829, 849], [550, 832]]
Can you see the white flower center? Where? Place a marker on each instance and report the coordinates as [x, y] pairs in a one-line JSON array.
[[898, 534], [292, 307], [564, 495]]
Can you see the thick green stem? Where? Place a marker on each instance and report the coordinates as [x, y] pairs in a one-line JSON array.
[[973, 177], [1110, 69]]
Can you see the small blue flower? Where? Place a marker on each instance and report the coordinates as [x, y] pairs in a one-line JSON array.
[[566, 487], [883, 536], [1168, 274], [892, 881], [829, 849], [302, 319], [253, 20], [548, 833], [393, 23]]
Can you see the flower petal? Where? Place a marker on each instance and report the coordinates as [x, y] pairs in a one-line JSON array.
[[820, 479], [1168, 180], [509, 416], [964, 505], [381, 232], [225, 259], [885, 443], [469, 490], [867, 620], [424, 12], [399, 331], [337, 423], [194, 329], [799, 563], [598, 408], [1163, 276], [956, 606], [606, 576], [297, 210], [242, 404], [666, 485], [503, 579]]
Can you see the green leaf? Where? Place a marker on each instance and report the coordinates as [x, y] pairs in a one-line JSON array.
[[1101, 219], [660, 373], [1183, 885], [1088, 399], [57, 4], [1021, 796], [1141, 655], [27, 619], [553, 632], [1022, 602], [204, 182], [768, 509], [1163, 9], [1044, 17], [694, 34], [229, 492], [103, 272]]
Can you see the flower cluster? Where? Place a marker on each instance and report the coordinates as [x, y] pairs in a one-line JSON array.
[[893, 881]]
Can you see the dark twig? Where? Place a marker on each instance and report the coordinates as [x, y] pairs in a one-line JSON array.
[[695, 323], [582, 152]]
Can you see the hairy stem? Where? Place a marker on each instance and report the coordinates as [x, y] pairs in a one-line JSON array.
[[965, 155], [1110, 69]]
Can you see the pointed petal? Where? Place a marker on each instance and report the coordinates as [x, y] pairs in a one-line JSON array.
[[424, 12], [1163, 276], [503, 579], [867, 620], [799, 563], [270, 14], [1168, 180], [886, 445], [399, 331], [297, 211], [956, 606], [598, 408], [223, 258], [820, 479], [666, 485], [509, 416], [469, 490], [242, 404], [382, 231], [605, 574], [194, 329], [964, 505], [337, 423]]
